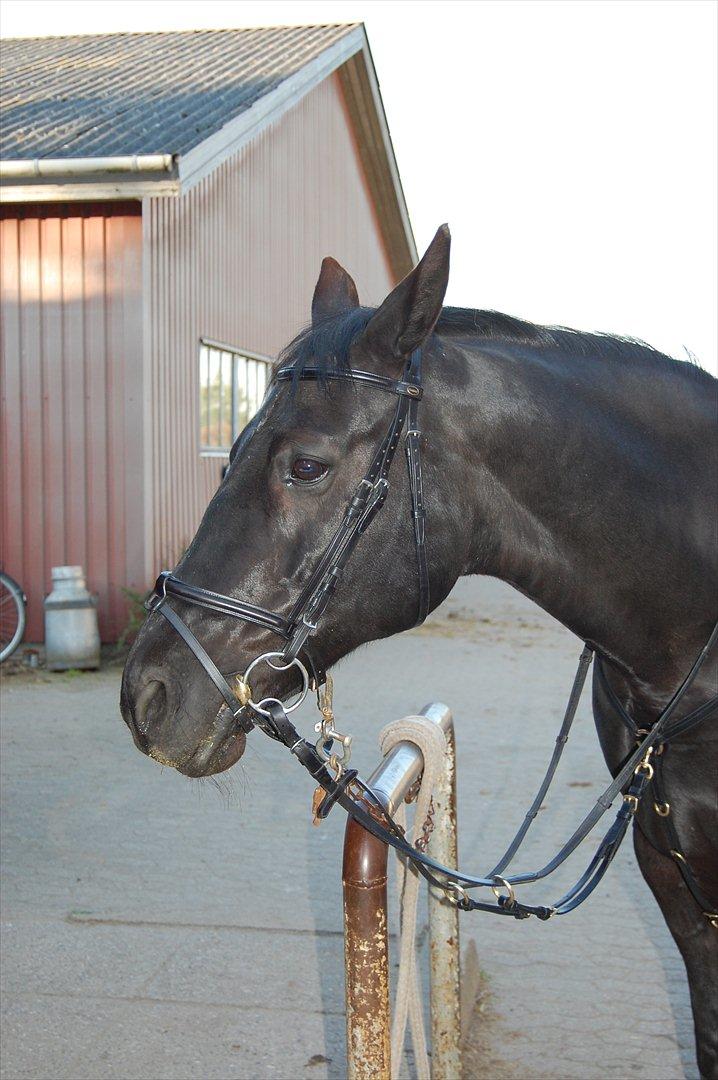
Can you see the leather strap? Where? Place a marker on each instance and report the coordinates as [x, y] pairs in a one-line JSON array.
[[416, 486], [222, 605], [239, 712], [708, 907], [679, 726], [393, 386], [561, 739]]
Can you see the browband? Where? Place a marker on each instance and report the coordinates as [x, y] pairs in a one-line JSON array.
[[315, 374]]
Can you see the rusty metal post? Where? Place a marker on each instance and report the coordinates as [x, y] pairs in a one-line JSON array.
[[366, 955], [366, 939], [444, 951]]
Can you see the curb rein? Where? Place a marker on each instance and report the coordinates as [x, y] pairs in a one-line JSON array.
[[345, 787]]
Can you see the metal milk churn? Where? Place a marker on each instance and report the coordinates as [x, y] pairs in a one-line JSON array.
[[72, 639]]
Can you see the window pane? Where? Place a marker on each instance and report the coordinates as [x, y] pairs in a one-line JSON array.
[[204, 396], [231, 388], [242, 408], [224, 435]]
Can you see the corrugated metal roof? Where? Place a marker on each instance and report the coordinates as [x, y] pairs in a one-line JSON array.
[[116, 94]]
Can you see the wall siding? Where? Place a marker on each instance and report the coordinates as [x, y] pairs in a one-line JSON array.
[[236, 259], [71, 347]]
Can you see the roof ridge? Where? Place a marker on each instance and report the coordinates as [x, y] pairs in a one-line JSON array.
[[186, 33]]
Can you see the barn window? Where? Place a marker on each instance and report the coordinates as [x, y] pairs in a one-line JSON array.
[[231, 387]]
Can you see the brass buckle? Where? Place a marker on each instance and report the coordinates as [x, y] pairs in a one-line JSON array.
[[632, 801]]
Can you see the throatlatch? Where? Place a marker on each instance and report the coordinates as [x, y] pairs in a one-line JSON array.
[[345, 787]]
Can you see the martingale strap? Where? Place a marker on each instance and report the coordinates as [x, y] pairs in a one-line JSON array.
[[661, 804]]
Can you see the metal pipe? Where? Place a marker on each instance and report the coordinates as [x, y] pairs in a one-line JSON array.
[[366, 955], [444, 949], [366, 940], [403, 765], [73, 167]]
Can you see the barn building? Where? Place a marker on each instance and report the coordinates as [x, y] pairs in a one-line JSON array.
[[166, 200]]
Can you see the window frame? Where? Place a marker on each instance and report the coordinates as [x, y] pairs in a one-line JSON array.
[[236, 355]]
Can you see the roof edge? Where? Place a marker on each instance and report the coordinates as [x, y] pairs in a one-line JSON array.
[[360, 87], [268, 109]]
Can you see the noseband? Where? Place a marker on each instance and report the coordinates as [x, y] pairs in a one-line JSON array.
[[300, 624], [345, 788]]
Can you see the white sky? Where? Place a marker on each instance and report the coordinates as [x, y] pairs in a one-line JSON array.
[[570, 144]]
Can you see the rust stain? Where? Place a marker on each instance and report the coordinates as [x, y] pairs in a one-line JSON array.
[[366, 955]]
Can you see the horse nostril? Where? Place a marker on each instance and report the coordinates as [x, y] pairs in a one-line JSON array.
[[151, 706]]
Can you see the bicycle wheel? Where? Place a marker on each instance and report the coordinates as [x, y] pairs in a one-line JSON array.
[[12, 616]]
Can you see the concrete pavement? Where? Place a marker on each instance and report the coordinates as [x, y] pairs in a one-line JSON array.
[[156, 928]]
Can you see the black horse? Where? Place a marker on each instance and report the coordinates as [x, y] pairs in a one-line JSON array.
[[580, 468]]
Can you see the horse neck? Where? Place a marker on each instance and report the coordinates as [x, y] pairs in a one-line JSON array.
[[580, 504]]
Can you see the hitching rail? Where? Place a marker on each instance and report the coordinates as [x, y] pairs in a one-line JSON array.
[[366, 941]]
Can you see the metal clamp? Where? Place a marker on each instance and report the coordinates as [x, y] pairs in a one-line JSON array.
[[328, 734], [244, 690], [645, 766]]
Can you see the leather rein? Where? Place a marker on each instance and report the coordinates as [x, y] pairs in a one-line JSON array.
[[344, 787]]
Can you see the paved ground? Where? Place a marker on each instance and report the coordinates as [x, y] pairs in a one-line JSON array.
[[156, 928]]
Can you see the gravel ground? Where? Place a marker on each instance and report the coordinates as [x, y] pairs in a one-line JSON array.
[[156, 928]]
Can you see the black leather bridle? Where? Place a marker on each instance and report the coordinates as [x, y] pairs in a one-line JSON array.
[[297, 627], [346, 788]]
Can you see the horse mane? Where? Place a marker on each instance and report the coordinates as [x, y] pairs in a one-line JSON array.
[[328, 345]]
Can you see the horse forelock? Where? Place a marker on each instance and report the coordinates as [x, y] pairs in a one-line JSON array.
[[326, 346]]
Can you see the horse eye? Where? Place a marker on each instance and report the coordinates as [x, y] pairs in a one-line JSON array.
[[307, 470]]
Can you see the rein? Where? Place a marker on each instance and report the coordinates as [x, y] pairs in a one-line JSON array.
[[345, 788]]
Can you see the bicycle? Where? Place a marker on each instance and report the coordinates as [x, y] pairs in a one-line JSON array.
[[12, 615]]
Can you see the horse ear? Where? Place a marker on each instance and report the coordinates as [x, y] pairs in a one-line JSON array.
[[335, 292], [407, 316]]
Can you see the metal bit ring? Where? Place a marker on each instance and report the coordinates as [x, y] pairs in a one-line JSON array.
[[502, 883], [269, 656]]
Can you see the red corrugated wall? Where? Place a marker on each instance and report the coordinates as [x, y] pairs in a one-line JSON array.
[[71, 379]]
